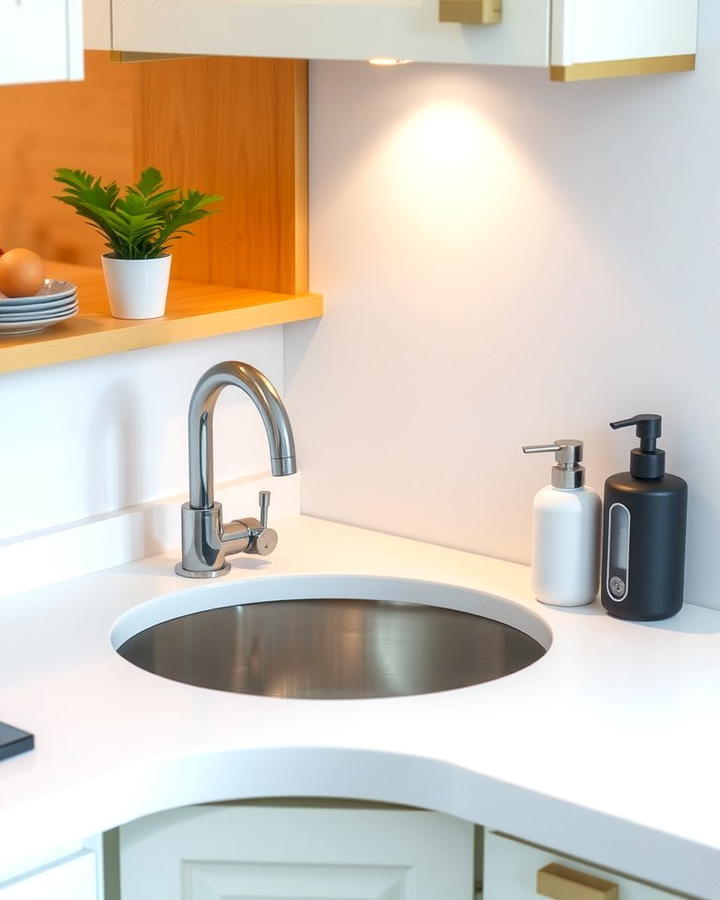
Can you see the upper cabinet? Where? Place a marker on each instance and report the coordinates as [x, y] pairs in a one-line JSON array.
[[97, 24], [574, 38], [40, 40], [333, 29], [621, 37]]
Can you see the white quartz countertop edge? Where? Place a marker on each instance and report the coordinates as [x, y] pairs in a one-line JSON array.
[[606, 749]]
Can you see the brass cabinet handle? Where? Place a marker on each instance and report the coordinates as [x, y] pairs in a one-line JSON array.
[[471, 12], [561, 883]]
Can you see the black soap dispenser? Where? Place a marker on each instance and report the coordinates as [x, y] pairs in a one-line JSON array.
[[643, 562]]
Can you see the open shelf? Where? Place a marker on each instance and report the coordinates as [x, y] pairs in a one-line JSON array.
[[194, 310]]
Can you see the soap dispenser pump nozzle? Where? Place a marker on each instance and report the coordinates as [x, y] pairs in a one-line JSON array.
[[646, 461], [566, 473], [649, 429]]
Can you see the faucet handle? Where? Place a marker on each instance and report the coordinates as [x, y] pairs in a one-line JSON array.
[[263, 540], [264, 498], [263, 543]]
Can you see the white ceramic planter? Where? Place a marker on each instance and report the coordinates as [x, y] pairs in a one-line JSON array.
[[137, 288]]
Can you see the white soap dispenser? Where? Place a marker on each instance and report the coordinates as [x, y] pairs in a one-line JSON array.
[[566, 531]]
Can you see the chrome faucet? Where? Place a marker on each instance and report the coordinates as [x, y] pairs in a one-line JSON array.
[[206, 540]]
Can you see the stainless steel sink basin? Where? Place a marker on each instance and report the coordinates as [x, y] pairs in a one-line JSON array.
[[331, 648]]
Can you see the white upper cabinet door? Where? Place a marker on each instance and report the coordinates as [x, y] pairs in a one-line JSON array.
[[333, 29], [622, 37], [97, 20], [71, 879], [589, 39], [40, 40]]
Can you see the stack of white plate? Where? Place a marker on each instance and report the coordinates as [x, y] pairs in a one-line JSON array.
[[55, 302]]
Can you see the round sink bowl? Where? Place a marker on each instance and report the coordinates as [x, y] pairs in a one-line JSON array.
[[343, 644]]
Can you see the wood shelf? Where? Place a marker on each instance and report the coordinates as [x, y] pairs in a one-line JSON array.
[[194, 310]]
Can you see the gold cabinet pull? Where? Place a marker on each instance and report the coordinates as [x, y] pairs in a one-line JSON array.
[[471, 12], [561, 883]]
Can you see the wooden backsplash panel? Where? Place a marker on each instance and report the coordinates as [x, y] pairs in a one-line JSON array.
[[87, 125], [231, 126], [235, 127]]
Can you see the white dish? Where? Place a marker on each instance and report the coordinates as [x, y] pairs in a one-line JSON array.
[[40, 317], [8, 308], [51, 290], [29, 327]]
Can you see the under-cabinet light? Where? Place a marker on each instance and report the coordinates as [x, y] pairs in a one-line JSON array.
[[388, 61]]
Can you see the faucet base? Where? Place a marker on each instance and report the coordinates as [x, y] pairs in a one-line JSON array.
[[209, 573]]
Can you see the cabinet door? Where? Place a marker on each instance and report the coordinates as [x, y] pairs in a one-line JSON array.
[[71, 879], [214, 852], [622, 37], [511, 870], [97, 23], [40, 40], [332, 29]]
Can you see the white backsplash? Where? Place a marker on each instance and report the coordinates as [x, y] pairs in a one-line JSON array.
[[88, 438], [38, 559], [507, 260]]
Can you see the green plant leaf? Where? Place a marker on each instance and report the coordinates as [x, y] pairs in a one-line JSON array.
[[144, 222], [150, 181]]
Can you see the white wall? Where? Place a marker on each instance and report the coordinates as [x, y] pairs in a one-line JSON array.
[[507, 260], [85, 438]]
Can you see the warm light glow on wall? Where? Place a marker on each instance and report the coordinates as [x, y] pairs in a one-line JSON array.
[[448, 168], [448, 133]]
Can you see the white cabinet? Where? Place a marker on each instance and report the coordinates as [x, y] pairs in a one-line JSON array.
[[622, 37], [73, 878], [40, 40], [625, 36], [213, 852], [97, 24], [331, 29], [511, 873]]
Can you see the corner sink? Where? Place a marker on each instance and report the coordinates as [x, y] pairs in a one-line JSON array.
[[357, 641]]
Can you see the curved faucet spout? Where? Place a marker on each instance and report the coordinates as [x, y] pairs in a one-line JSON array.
[[200, 425]]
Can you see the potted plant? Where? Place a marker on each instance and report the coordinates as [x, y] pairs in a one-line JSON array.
[[140, 226]]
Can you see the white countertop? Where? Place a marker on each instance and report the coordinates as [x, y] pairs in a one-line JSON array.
[[608, 748]]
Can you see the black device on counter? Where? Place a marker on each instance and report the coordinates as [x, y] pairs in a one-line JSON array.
[[14, 740], [643, 561]]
